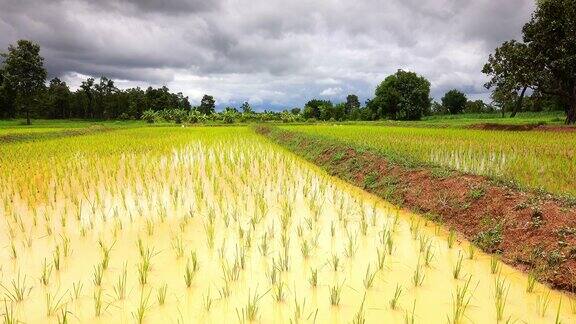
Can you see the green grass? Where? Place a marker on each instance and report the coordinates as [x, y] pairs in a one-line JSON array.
[[531, 159], [14, 131], [548, 118]]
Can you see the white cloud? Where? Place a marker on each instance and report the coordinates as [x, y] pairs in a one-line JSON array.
[[331, 91]]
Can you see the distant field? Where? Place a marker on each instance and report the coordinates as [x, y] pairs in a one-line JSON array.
[[41, 126], [531, 159], [14, 130], [548, 118], [466, 120]]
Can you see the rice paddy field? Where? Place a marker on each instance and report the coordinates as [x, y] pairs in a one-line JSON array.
[[39, 126], [531, 159], [213, 225], [16, 130]]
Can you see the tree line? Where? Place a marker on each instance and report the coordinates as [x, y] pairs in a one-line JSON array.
[[23, 92], [536, 74]]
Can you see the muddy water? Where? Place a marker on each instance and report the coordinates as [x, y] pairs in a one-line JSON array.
[[249, 186]]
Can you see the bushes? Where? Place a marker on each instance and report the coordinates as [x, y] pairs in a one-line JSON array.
[[228, 116], [149, 116], [177, 116]]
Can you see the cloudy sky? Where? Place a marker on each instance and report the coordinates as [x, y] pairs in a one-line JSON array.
[[273, 53]]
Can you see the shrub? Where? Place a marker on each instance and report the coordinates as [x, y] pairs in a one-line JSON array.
[[149, 116], [179, 116], [193, 117], [228, 117], [124, 116]]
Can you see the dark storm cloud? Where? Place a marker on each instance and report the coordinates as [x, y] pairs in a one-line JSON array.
[[176, 7], [271, 52]]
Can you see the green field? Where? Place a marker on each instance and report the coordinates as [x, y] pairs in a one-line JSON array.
[[534, 159], [15, 131], [537, 160], [547, 118]]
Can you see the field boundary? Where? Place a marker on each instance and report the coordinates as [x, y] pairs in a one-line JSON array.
[[534, 233]]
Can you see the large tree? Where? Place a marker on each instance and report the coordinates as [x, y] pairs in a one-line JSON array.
[[207, 105], [352, 103], [58, 98], [7, 99], [313, 108], [105, 103], [23, 71], [403, 96], [88, 90], [454, 101], [511, 72], [551, 38], [544, 62]]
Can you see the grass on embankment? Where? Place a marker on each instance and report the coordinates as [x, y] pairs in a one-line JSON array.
[[530, 231]]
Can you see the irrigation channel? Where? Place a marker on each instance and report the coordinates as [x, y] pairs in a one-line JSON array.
[[226, 227]]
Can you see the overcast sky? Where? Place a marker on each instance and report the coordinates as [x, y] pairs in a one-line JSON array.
[[272, 53]]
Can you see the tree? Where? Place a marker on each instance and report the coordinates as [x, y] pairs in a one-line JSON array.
[[88, 90], [403, 96], [511, 72], [438, 109], [312, 109], [136, 102], [207, 105], [476, 107], [544, 62], [7, 99], [58, 99], [326, 111], [183, 102], [339, 111], [161, 98], [23, 70], [104, 92], [454, 101], [503, 100], [352, 103], [246, 109], [550, 36], [373, 109]]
